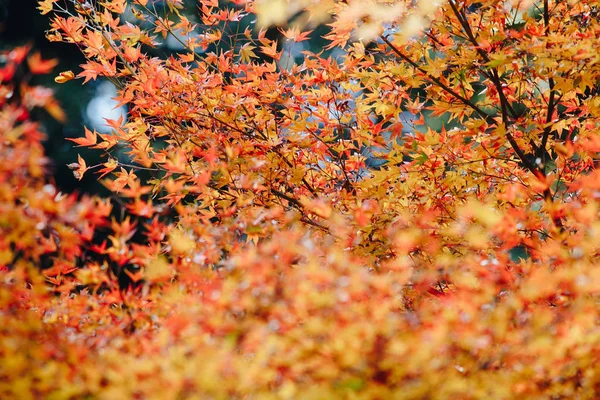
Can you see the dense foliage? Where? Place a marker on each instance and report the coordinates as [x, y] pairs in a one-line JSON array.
[[297, 229]]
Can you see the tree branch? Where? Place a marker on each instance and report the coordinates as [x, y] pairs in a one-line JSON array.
[[505, 106], [551, 100], [439, 83], [300, 208], [494, 77]]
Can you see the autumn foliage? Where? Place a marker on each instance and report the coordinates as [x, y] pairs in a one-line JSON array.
[[290, 225]]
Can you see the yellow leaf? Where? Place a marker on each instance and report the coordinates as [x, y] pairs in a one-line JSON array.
[[486, 216], [272, 12], [497, 60], [54, 109], [477, 237], [181, 243], [45, 6], [246, 53], [64, 77], [188, 57], [158, 270]]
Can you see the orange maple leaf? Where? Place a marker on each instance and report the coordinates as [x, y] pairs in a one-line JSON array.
[[91, 138], [37, 66], [271, 51]]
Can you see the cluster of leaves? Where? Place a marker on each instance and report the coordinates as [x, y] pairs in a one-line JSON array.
[[300, 231], [43, 232]]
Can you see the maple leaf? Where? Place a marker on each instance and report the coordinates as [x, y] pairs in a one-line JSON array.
[[116, 6], [78, 168], [59, 269], [71, 27], [38, 66], [109, 141], [132, 53], [90, 139], [247, 53], [7, 73], [141, 208], [157, 270], [188, 57], [92, 69], [124, 178], [64, 77], [109, 166], [55, 110], [295, 35], [271, 51], [46, 6]]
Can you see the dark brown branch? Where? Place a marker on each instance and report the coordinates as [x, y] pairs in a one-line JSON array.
[[551, 99], [439, 83], [522, 156], [289, 199], [506, 108], [300, 208], [494, 77], [276, 151], [548, 195]]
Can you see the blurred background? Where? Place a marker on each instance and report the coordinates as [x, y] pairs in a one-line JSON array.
[[22, 24]]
